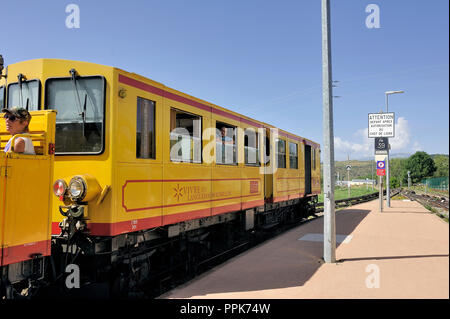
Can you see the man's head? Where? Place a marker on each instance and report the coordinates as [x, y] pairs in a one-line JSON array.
[[17, 120]]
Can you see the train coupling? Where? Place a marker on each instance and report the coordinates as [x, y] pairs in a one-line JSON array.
[[75, 211], [75, 219]]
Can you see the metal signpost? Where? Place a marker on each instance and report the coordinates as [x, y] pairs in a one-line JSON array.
[[381, 172], [349, 167], [382, 126]]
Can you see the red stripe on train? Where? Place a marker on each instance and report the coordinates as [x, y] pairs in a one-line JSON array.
[[15, 254], [112, 229]]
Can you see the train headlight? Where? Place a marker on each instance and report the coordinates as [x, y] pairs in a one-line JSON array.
[[83, 188], [60, 188], [77, 188]]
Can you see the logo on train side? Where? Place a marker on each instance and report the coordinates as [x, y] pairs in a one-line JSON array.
[[191, 192], [178, 192]]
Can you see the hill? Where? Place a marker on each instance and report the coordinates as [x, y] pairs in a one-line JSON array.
[[362, 169], [359, 170]]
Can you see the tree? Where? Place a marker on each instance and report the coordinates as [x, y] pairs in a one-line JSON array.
[[421, 165], [395, 182], [442, 163], [397, 167]]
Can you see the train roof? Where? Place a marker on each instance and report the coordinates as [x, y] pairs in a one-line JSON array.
[[215, 108]]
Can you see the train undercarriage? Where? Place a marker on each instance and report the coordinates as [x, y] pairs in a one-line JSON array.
[[146, 263]]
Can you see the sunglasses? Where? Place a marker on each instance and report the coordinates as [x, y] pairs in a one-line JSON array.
[[10, 117]]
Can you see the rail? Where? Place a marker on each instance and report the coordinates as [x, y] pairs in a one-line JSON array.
[[356, 200], [427, 200]]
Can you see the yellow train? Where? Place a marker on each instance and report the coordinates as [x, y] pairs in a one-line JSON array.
[[141, 169]]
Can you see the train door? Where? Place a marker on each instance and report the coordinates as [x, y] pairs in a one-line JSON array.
[[307, 169], [268, 169], [139, 161], [26, 216]]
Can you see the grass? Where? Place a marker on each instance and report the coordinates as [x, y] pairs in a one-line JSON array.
[[431, 209], [355, 191], [399, 197], [435, 211]]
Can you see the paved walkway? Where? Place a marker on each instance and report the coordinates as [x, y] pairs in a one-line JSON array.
[[402, 252]]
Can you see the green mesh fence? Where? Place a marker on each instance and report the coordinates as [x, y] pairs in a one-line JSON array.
[[436, 183]]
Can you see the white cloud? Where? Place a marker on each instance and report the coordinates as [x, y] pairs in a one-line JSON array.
[[402, 135], [363, 146]]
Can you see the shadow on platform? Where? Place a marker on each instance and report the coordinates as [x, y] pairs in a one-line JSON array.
[[282, 262]]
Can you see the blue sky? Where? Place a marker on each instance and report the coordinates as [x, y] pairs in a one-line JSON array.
[[263, 58]]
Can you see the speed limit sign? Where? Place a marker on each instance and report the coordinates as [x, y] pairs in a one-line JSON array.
[[380, 165], [381, 145]]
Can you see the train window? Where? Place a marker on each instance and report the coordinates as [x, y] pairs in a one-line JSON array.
[[281, 153], [2, 97], [145, 129], [251, 147], [185, 137], [25, 95], [226, 150], [293, 155], [80, 102]]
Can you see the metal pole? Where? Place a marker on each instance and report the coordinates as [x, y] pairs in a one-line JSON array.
[[329, 229], [381, 193], [348, 183], [409, 180], [372, 174], [388, 193]]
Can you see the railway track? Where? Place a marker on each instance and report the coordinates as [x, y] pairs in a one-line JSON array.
[[439, 202], [357, 200]]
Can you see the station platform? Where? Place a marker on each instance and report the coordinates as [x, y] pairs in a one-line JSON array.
[[400, 253]]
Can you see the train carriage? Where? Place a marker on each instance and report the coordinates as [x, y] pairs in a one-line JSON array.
[[139, 163]]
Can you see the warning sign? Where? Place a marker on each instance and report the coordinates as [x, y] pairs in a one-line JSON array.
[[381, 124]]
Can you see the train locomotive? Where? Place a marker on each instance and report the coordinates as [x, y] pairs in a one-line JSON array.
[[134, 178]]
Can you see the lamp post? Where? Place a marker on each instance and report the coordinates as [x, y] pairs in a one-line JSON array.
[[388, 195]]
